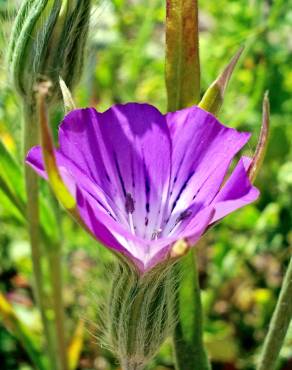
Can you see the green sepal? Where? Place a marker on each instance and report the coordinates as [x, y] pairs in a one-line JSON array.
[[214, 96], [261, 148], [48, 41]]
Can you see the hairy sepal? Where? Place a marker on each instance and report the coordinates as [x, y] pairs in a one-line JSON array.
[[138, 314], [47, 41]]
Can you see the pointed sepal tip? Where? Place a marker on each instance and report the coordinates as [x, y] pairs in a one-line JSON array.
[[262, 142]]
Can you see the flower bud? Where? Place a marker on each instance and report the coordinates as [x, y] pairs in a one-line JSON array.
[[139, 314], [47, 43]]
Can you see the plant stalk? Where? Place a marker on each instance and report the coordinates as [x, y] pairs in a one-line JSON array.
[[57, 296], [56, 280], [182, 65], [31, 138], [190, 353], [279, 325]]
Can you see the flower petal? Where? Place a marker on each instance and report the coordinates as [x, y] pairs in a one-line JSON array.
[[236, 193], [73, 177], [117, 165], [160, 249], [110, 232], [34, 158], [202, 152], [96, 209], [126, 151]]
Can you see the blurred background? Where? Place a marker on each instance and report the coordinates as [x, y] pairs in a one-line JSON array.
[[242, 260]]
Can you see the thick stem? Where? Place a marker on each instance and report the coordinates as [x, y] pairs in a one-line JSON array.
[[279, 325], [190, 353], [182, 67], [31, 180]]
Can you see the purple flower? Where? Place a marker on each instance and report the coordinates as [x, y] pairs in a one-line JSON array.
[[143, 180]]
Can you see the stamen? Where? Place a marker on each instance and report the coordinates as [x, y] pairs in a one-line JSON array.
[[130, 204], [131, 223], [156, 234], [130, 208], [184, 215]]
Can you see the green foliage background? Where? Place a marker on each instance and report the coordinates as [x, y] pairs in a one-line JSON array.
[[243, 259]]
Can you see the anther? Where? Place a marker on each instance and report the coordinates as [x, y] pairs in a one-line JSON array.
[[130, 208], [129, 204], [156, 234], [184, 215]]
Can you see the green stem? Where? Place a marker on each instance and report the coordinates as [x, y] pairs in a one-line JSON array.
[[190, 353], [279, 325], [55, 267], [57, 296], [182, 65], [31, 181]]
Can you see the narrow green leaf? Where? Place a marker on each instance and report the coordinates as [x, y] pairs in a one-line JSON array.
[[11, 182], [263, 141], [214, 96], [182, 54], [8, 212], [13, 323], [12, 187]]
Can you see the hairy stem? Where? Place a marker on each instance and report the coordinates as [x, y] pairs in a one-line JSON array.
[[31, 180], [190, 353], [279, 325]]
